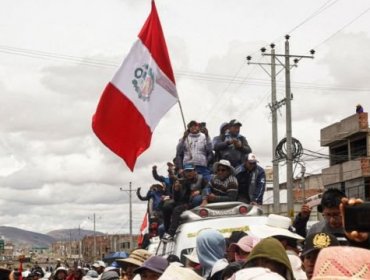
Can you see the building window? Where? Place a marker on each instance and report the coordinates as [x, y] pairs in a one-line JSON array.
[[358, 148], [339, 154]]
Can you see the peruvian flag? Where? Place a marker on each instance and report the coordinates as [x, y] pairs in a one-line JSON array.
[[144, 228], [138, 96]]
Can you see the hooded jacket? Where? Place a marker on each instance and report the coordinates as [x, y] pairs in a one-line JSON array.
[[270, 248], [210, 248]]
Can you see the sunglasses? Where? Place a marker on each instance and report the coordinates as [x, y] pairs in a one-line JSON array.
[[221, 169]]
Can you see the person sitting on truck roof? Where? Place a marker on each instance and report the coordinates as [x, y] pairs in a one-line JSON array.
[[252, 181], [186, 195], [223, 185]]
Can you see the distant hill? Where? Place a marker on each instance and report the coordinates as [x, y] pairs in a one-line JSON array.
[[71, 234], [34, 239], [19, 236]]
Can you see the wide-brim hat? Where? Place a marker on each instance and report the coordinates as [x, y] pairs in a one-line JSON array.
[[155, 263], [137, 257], [193, 256], [225, 163], [174, 272], [276, 225]]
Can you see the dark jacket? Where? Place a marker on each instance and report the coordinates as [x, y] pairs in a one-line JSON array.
[[251, 184], [224, 150]]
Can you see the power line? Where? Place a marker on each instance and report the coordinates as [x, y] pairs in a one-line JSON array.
[[344, 26], [314, 14]]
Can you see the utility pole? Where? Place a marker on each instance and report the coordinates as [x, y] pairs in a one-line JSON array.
[[288, 97], [274, 106], [130, 190], [94, 252]]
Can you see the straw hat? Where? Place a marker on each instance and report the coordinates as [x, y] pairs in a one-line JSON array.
[[137, 257]]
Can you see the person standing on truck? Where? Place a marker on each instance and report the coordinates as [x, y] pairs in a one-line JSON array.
[[232, 146], [252, 181], [195, 147]]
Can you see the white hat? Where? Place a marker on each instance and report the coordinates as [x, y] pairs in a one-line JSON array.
[[175, 272], [99, 264], [251, 158], [296, 264], [276, 225], [256, 273], [193, 256], [223, 162], [218, 266]]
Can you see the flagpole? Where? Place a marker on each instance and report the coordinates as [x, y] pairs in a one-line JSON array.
[[182, 113]]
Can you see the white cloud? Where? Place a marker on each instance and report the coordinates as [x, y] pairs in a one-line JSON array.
[[53, 166]]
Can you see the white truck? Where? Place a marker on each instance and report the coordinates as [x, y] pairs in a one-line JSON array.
[[224, 216]]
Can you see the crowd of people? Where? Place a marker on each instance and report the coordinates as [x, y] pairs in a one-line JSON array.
[[204, 171], [271, 251]]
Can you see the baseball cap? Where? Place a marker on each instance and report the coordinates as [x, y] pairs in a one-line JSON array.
[[235, 122], [245, 243], [189, 166], [318, 241], [155, 263], [251, 157], [99, 264]]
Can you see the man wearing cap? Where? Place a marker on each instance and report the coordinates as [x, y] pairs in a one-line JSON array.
[[252, 181], [312, 246], [99, 266], [186, 195], [234, 146], [152, 268], [194, 147]]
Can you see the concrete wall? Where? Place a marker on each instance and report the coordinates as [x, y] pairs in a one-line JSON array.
[[343, 129]]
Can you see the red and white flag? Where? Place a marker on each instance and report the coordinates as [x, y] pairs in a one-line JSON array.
[[138, 96], [144, 228]]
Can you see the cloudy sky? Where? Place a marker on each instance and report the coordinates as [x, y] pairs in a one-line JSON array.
[[57, 56]]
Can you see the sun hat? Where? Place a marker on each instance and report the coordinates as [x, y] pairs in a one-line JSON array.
[[193, 256], [256, 273], [223, 162], [174, 272], [109, 275], [318, 241], [342, 262], [276, 225], [137, 257], [155, 263], [245, 243]]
